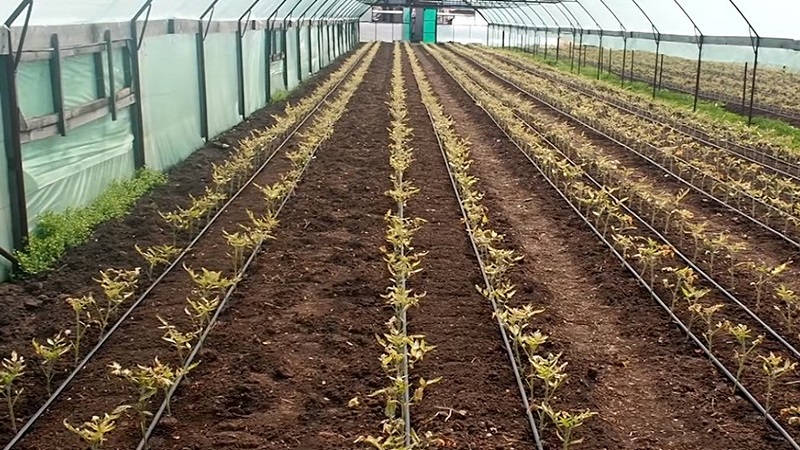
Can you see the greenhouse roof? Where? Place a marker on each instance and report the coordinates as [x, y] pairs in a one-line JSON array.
[[769, 18], [763, 23]]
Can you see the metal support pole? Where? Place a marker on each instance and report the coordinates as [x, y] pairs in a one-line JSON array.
[[299, 56], [572, 54], [13, 145], [624, 59], [310, 51], [661, 73], [57, 83], [744, 87], [112, 89], [137, 124], [600, 56], [558, 45], [655, 71], [753, 86], [11, 123], [697, 79], [240, 70], [633, 63]]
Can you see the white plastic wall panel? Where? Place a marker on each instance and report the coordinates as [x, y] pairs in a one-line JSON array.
[[304, 49], [276, 77], [75, 169], [72, 171], [170, 99], [255, 70], [222, 76], [315, 62], [291, 58]]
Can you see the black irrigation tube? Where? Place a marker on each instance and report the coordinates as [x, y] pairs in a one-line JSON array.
[[103, 339], [689, 131], [681, 325], [679, 178], [511, 357], [658, 234], [143, 444]]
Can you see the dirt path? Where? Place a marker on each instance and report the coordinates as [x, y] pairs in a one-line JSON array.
[[477, 404], [760, 245], [626, 362], [139, 339], [298, 343], [36, 307]]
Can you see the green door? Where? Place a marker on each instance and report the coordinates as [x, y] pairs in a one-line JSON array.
[[406, 24], [429, 25]]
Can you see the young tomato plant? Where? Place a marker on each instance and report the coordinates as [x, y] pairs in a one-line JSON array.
[[118, 286], [181, 342], [775, 367], [149, 380], [50, 352], [94, 432], [742, 334], [566, 423], [80, 306], [157, 254], [12, 369]]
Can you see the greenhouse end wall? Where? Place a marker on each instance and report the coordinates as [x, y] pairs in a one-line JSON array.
[[71, 171]]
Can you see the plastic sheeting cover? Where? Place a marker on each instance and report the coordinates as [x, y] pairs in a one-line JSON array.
[[170, 99], [770, 18], [222, 82], [75, 169]]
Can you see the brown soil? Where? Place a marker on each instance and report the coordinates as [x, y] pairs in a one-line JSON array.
[[761, 245], [329, 312], [625, 360], [297, 342], [477, 404], [36, 308]]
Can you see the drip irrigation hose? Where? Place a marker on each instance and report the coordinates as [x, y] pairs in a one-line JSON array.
[[677, 252], [143, 444], [680, 179], [689, 131], [510, 353], [104, 338], [681, 325]]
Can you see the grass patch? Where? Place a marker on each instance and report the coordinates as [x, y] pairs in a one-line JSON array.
[[279, 95], [58, 232], [709, 109]]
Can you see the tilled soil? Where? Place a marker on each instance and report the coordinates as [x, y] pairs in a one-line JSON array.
[[625, 360], [477, 404], [297, 342], [138, 340], [760, 247]]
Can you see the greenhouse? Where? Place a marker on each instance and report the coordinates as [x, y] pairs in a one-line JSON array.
[[406, 224]]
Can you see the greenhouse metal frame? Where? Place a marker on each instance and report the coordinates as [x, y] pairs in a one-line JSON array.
[[76, 58]]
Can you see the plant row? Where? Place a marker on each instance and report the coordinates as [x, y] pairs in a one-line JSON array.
[[654, 259], [209, 288], [400, 350], [544, 375], [774, 87], [723, 254], [722, 132], [741, 185]]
